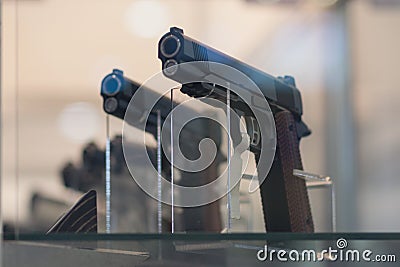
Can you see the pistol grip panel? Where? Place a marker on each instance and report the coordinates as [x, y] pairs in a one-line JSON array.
[[284, 197]]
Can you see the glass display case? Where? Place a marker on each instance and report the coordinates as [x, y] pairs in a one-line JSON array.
[[109, 158]]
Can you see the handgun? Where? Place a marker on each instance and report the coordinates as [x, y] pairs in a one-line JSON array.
[[284, 197], [117, 91]]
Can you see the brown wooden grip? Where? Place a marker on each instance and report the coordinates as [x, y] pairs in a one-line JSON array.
[[284, 197]]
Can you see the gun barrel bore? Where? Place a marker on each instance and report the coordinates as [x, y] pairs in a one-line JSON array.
[[170, 67], [111, 105], [111, 85], [170, 46]]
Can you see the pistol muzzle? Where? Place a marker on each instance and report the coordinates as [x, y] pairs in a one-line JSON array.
[[112, 83], [170, 46]]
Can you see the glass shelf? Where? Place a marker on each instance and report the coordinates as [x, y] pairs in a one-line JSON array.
[[201, 236], [206, 249]]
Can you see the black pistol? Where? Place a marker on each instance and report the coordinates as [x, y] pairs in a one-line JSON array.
[[117, 91], [285, 199]]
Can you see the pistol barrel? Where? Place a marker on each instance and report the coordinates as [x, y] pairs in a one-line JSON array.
[[176, 48]]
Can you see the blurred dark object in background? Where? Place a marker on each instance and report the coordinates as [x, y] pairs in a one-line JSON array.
[[90, 173]]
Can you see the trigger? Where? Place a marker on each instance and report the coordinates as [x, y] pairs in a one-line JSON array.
[[254, 133]]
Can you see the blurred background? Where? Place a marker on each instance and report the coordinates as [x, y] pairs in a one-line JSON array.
[[344, 56]]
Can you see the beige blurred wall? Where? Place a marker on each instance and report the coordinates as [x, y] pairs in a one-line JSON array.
[[376, 67], [66, 47]]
